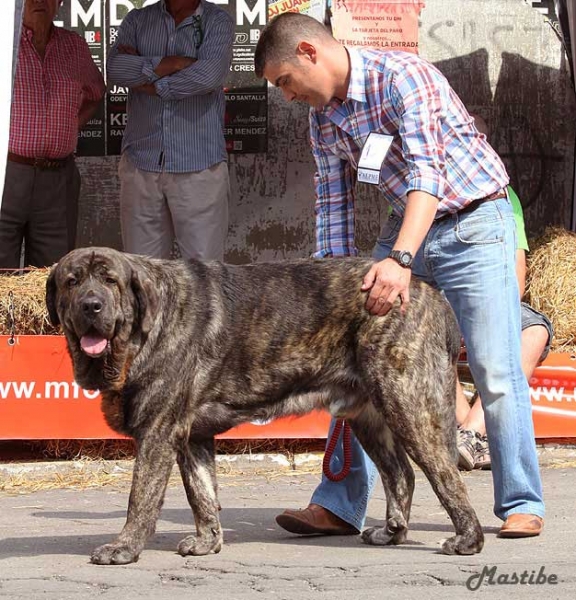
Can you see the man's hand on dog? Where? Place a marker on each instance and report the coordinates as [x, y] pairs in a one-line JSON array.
[[386, 280]]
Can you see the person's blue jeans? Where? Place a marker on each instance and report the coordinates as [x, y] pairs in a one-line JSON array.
[[471, 258]]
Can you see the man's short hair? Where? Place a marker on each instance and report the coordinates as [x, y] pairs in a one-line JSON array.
[[280, 38]]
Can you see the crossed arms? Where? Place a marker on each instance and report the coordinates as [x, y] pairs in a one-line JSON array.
[[173, 77]]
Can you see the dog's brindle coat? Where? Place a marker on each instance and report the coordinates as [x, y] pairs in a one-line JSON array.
[[194, 349]]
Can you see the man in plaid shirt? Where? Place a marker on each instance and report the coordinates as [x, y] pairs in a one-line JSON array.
[[57, 88], [451, 224]]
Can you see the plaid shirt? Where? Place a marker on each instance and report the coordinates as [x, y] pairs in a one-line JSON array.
[[48, 94], [436, 147]]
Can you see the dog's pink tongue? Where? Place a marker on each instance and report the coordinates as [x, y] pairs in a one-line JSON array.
[[93, 344]]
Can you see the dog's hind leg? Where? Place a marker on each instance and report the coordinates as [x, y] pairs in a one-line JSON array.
[[442, 473], [415, 389], [154, 462], [425, 424], [198, 470], [396, 473]]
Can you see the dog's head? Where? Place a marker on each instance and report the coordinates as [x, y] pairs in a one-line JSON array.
[[105, 302]]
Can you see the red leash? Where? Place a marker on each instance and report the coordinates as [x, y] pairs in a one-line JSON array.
[[340, 425]]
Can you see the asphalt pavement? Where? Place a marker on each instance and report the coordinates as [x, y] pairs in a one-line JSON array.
[[47, 535]]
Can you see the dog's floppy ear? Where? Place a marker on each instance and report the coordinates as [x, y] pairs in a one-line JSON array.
[[51, 297], [147, 300]]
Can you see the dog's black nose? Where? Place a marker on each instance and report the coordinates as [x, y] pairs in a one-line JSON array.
[[91, 306]]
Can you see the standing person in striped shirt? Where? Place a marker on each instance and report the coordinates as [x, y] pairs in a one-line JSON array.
[[451, 224], [57, 88], [174, 57]]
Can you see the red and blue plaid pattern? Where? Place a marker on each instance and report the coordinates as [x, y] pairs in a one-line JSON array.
[[436, 147]]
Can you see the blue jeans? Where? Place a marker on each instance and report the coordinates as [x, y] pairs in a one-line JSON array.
[[471, 258]]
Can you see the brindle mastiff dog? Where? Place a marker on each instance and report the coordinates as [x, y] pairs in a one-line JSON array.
[[181, 352]]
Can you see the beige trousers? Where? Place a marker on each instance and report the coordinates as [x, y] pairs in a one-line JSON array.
[[156, 208]]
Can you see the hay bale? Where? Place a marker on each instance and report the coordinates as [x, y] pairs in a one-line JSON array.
[[551, 283], [23, 305]]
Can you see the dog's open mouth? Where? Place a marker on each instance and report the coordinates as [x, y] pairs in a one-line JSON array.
[[94, 345]]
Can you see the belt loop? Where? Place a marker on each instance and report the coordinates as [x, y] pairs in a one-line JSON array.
[[501, 193]]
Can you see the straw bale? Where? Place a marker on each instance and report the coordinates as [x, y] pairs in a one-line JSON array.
[[551, 284], [124, 448], [22, 304]]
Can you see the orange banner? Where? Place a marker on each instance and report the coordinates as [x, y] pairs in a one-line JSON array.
[[384, 24], [552, 390], [40, 400]]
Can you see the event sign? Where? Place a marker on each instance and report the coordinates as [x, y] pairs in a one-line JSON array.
[[384, 24], [246, 118]]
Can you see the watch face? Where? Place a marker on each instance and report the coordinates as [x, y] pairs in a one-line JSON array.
[[402, 257]]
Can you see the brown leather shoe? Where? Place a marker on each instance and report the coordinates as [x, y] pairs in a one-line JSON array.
[[314, 519], [521, 525]]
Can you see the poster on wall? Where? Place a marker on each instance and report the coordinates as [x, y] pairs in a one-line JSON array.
[[312, 8], [384, 24], [85, 17], [117, 96], [246, 118]]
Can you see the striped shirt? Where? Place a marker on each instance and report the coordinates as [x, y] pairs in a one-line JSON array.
[[436, 147], [49, 92], [181, 129]]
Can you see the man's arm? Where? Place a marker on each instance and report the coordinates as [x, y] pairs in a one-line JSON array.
[[93, 86], [212, 66], [167, 66], [386, 279], [334, 185], [124, 66], [87, 109], [419, 105], [172, 64]]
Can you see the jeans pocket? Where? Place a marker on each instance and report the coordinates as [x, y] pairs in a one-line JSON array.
[[485, 225]]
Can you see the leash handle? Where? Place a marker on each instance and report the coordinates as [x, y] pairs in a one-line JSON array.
[[343, 427]]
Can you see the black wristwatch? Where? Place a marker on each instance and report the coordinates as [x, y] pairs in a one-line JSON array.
[[402, 257]]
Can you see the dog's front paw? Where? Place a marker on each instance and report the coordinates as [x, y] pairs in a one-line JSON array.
[[114, 554], [378, 536], [394, 533], [197, 546], [460, 544]]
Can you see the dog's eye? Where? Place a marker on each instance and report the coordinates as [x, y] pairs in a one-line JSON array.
[[111, 280], [72, 281]]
